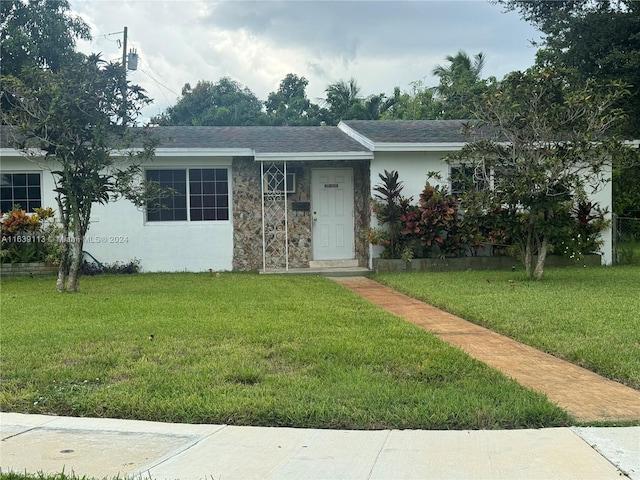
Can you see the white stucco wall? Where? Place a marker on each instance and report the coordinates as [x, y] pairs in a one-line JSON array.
[[119, 231], [413, 168], [604, 198]]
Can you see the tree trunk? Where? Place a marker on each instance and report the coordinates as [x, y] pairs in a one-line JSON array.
[[542, 256], [529, 247], [64, 262], [527, 259], [73, 282], [64, 255]]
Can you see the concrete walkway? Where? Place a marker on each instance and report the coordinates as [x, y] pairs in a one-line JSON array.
[[584, 394], [150, 450]]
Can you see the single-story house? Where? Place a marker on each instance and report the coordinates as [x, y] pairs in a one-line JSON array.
[[236, 213]]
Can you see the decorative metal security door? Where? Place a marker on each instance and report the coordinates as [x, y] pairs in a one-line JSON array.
[[275, 227]]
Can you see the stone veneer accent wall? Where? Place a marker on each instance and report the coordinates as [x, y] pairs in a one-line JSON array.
[[247, 212]]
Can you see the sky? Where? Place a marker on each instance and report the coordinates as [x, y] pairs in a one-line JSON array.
[[382, 44]]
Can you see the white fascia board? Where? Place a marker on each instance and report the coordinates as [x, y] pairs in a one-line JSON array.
[[417, 147], [192, 152], [311, 156], [14, 152], [358, 137], [10, 152]]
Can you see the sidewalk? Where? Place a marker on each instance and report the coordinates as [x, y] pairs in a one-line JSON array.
[[151, 450]]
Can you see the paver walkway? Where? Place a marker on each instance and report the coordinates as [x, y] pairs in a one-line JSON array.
[[584, 394]]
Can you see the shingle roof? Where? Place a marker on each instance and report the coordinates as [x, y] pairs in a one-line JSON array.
[[411, 131], [261, 139], [326, 139]]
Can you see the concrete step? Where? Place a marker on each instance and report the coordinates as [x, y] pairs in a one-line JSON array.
[[333, 263]]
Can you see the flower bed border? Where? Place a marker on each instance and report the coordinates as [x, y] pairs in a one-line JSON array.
[[384, 265], [30, 269]]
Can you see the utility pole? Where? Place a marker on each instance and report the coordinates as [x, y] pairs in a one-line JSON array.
[[124, 78]]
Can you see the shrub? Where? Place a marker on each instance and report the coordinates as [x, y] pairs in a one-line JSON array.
[[97, 268], [30, 237]]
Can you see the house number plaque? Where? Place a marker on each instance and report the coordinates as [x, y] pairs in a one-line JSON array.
[[331, 185]]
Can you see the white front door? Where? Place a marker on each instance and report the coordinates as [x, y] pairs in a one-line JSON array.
[[332, 214]]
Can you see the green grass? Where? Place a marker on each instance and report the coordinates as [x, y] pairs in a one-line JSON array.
[[589, 316], [242, 349], [629, 253]]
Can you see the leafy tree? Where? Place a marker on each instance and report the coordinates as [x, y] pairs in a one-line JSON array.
[[599, 40], [38, 33], [626, 189], [345, 102], [70, 118], [460, 83], [226, 102], [419, 104], [549, 147], [290, 105]]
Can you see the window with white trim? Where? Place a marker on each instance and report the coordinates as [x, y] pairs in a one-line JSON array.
[[464, 178], [196, 194], [23, 189]]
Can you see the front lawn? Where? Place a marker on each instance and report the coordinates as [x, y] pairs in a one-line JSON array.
[[589, 316], [242, 349]]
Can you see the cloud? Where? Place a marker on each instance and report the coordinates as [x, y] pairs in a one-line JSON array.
[[382, 44]]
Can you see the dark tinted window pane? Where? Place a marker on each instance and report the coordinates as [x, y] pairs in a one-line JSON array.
[[19, 179], [208, 175], [223, 214], [209, 214], [180, 202], [208, 188], [165, 176], [20, 193], [195, 188], [33, 192], [222, 201], [196, 215], [208, 201], [33, 179], [195, 174]]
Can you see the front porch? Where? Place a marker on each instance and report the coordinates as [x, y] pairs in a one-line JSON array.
[[278, 216]]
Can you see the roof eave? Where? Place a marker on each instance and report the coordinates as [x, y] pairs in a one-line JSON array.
[[204, 152], [417, 147], [311, 156]]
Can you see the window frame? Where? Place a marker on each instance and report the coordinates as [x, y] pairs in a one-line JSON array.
[[478, 183], [190, 196], [28, 207]]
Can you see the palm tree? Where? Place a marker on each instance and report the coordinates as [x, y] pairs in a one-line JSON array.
[[460, 81], [460, 67], [343, 99]]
